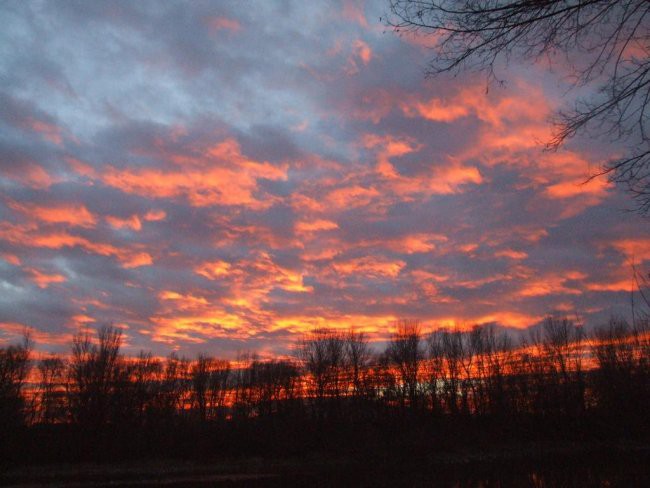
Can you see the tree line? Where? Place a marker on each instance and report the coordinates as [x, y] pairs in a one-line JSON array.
[[447, 380]]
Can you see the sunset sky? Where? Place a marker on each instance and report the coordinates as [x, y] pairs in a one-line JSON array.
[[228, 177]]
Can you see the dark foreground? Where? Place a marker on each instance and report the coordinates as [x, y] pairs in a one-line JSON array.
[[539, 466], [475, 413]]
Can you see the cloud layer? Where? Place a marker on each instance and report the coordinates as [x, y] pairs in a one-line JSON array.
[[217, 178]]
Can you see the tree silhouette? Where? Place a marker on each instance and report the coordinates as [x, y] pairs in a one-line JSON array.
[[209, 382], [603, 43], [406, 355], [51, 388], [93, 373], [358, 355], [323, 357], [14, 368], [474, 385]]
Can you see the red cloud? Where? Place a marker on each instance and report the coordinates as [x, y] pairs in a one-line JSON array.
[[59, 213], [42, 279], [221, 175]]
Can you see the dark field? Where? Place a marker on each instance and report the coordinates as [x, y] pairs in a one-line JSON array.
[[536, 466]]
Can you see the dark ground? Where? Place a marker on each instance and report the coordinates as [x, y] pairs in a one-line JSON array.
[[535, 465]]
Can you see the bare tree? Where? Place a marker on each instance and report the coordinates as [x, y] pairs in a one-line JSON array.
[[498, 357], [93, 372], [200, 383], [381, 383], [435, 370], [452, 349], [51, 404], [218, 387], [144, 378], [563, 350], [603, 42], [245, 383], [275, 385], [621, 380], [335, 349], [209, 383], [406, 354], [14, 368], [322, 354], [171, 389], [358, 355]]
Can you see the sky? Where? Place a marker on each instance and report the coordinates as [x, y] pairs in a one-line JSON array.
[[221, 177]]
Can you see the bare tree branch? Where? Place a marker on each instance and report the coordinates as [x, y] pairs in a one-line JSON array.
[[606, 44]]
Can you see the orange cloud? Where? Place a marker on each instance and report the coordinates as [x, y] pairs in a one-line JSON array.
[[449, 178], [473, 100], [249, 283], [197, 327], [511, 254], [513, 132], [70, 214], [191, 318], [635, 249], [15, 330], [134, 260], [221, 176], [468, 248], [81, 168], [319, 254], [182, 302], [628, 285], [49, 131], [513, 319], [133, 222], [300, 203], [310, 226], [82, 322], [436, 110], [362, 51], [279, 276], [352, 196], [370, 266], [155, 215], [29, 235], [42, 279], [213, 270], [442, 179], [552, 284], [566, 175], [409, 244], [388, 147], [422, 275], [30, 174], [416, 243], [374, 326], [353, 12], [11, 258]]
